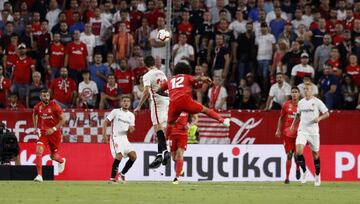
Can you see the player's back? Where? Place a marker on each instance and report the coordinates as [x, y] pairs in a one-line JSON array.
[[154, 78], [180, 85]]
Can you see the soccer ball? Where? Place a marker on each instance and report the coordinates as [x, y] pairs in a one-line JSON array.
[[163, 35]]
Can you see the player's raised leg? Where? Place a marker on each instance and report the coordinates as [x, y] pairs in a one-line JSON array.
[[132, 157]]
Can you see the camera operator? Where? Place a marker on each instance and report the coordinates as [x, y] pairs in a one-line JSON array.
[[8, 154]]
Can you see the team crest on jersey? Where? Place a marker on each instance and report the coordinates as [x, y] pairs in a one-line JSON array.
[[313, 104]]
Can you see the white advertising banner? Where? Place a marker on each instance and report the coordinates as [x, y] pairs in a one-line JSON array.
[[215, 163]]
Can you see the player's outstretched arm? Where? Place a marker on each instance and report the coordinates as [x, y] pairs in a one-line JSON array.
[[105, 124], [162, 92], [202, 78], [144, 97]]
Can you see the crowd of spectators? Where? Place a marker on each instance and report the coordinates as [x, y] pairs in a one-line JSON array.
[[90, 52]]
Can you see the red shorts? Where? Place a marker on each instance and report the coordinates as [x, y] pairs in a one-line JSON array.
[[183, 104], [289, 144], [53, 141], [178, 141]]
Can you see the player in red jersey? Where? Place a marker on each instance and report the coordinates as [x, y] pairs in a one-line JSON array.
[[178, 143], [48, 117], [287, 115], [180, 92]]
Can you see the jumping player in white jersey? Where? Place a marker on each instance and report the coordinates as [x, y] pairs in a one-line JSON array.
[[158, 107], [311, 111], [123, 121]]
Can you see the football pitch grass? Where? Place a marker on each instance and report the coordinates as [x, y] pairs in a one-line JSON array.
[[87, 192]]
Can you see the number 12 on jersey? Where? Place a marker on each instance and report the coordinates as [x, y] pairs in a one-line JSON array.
[[177, 82]]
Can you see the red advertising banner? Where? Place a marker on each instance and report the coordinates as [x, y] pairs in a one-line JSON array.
[[258, 127], [93, 162], [247, 127]]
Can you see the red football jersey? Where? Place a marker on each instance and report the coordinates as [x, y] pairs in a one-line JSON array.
[[113, 92], [22, 72], [288, 112], [62, 89], [179, 85], [139, 71], [56, 55], [180, 127], [5, 84], [355, 72], [124, 80], [335, 64], [77, 55], [48, 115], [11, 54], [36, 29]]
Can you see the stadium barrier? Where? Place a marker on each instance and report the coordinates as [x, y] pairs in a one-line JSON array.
[[201, 163], [247, 127]]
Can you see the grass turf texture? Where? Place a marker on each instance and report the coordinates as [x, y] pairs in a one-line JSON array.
[[71, 192]]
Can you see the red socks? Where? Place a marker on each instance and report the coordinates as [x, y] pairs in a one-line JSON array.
[[38, 163], [178, 167], [211, 113], [288, 167]]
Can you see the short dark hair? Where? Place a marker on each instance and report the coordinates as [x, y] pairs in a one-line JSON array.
[[295, 87], [149, 61], [44, 91], [85, 72], [182, 68]]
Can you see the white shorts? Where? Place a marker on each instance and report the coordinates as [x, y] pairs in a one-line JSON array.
[[159, 112], [313, 140], [120, 144]]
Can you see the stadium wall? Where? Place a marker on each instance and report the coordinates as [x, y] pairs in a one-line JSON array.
[[202, 162], [247, 127]]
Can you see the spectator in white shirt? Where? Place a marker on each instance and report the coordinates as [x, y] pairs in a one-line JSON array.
[[217, 95], [88, 91], [298, 19], [308, 17], [183, 51], [341, 12], [53, 13], [301, 70], [89, 39], [279, 93], [266, 44], [158, 48], [306, 81], [101, 28], [238, 26]]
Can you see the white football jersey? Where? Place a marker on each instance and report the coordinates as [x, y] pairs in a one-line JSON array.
[[309, 110], [153, 79], [122, 120]]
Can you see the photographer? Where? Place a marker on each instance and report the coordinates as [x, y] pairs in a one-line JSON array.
[[9, 147]]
